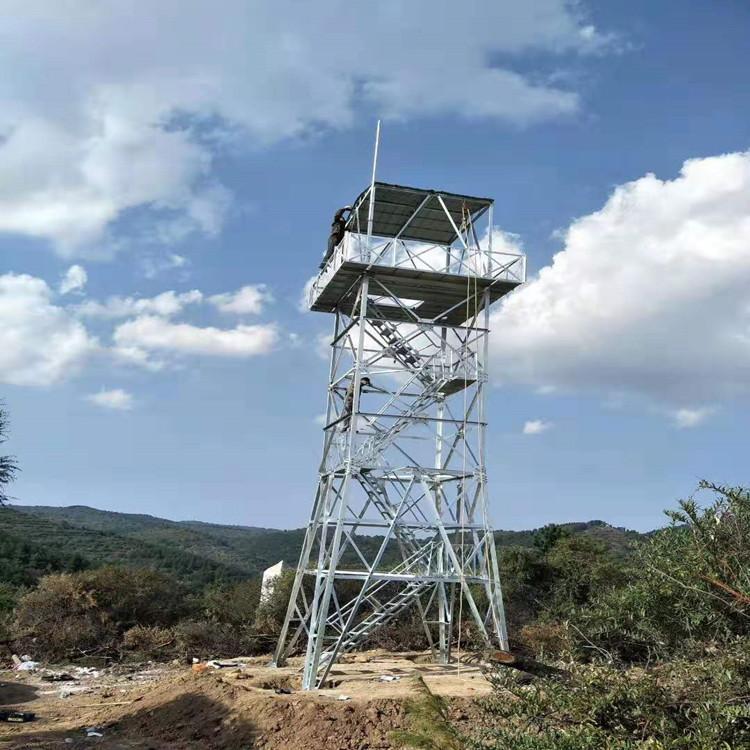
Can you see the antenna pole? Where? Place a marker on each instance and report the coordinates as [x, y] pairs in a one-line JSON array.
[[371, 209]]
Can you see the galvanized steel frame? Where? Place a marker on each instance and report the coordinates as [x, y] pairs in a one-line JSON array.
[[400, 515]]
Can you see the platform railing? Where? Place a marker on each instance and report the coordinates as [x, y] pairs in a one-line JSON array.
[[396, 253]]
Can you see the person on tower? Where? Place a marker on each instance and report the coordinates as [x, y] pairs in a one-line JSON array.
[[338, 227], [364, 382]]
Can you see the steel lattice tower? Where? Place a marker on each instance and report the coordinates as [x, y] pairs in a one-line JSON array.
[[400, 517]]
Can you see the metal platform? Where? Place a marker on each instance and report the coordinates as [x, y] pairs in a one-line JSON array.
[[428, 295], [416, 213]]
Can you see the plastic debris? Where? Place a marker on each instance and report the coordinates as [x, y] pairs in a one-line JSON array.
[[216, 664], [24, 663], [94, 732], [66, 692], [87, 672], [389, 678], [58, 677], [17, 717], [27, 666], [344, 698]]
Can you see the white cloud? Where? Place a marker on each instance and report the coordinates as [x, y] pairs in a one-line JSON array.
[[103, 111], [649, 296], [249, 300], [167, 304], [116, 399], [685, 418], [153, 266], [322, 346], [75, 279], [40, 343], [150, 333], [536, 427]]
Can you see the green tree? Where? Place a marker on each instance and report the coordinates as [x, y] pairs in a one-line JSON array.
[[548, 536], [8, 464], [692, 584], [234, 604]]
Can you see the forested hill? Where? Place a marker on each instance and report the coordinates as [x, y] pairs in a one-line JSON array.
[[39, 539], [35, 540]]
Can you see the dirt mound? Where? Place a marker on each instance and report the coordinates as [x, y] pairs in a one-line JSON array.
[[215, 710], [238, 709]]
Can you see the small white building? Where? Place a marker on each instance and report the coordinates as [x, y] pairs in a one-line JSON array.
[[270, 576]]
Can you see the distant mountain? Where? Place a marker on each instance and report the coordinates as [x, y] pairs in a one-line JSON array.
[[196, 552], [35, 540]]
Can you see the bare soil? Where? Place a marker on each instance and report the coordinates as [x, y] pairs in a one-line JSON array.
[[235, 707]]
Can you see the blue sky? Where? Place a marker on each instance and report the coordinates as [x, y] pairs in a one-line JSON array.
[[192, 150]]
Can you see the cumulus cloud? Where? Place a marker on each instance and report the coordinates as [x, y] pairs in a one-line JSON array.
[[74, 280], [167, 304], [685, 418], [649, 295], [40, 343], [249, 300], [103, 112], [116, 399], [149, 333], [153, 266], [536, 427]]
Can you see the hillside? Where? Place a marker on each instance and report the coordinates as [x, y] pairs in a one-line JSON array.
[[35, 540], [245, 549]]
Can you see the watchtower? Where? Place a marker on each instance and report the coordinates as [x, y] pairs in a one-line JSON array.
[[400, 517]]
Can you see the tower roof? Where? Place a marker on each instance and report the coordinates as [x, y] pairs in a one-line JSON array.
[[415, 213]]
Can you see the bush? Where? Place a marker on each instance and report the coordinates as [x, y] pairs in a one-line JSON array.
[[148, 642], [272, 610], [695, 705], [545, 639], [205, 639], [60, 619], [526, 580], [235, 605], [406, 633], [76, 614], [693, 585]]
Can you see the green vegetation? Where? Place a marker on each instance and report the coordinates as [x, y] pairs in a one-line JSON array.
[[654, 648], [198, 554], [649, 635], [62, 569], [36, 540], [8, 464]]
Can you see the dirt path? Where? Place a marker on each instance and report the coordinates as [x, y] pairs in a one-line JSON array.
[[236, 708]]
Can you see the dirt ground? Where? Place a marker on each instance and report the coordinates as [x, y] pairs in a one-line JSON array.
[[234, 707]]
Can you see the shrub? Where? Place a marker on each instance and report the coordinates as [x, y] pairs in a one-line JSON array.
[[272, 610], [405, 633], [76, 614], [545, 639], [148, 642], [695, 705], [205, 639], [235, 605], [60, 619], [693, 585]]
